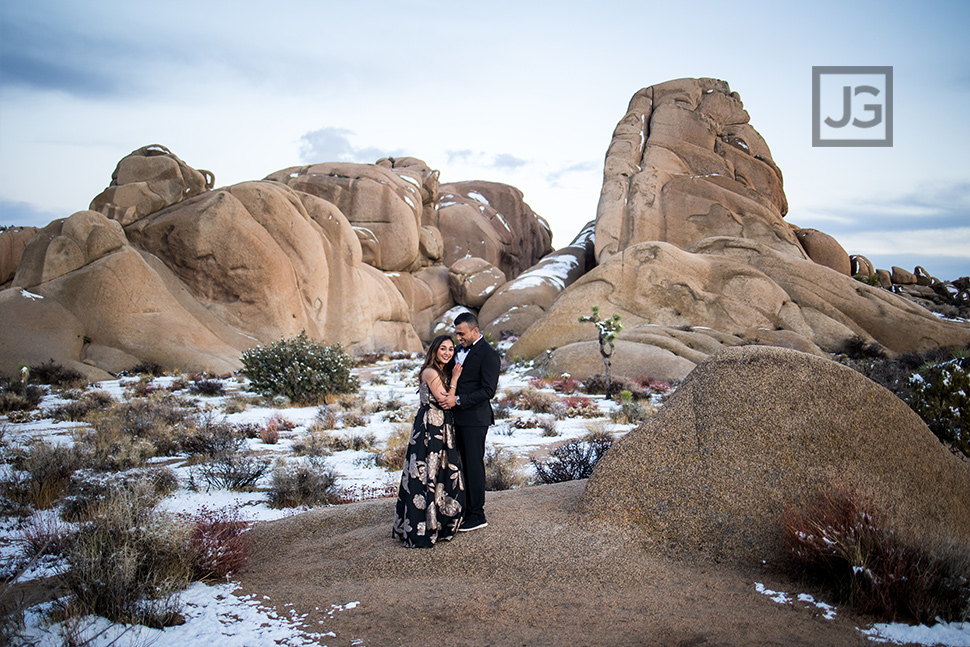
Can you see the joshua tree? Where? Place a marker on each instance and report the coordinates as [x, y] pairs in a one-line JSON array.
[[608, 329]]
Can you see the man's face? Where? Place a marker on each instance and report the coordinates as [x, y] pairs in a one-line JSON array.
[[466, 334]]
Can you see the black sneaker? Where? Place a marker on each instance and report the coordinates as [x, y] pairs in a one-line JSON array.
[[477, 526]]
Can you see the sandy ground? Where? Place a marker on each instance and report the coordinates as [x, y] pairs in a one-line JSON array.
[[538, 575]]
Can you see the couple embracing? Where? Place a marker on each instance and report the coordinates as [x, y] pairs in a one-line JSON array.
[[443, 483]]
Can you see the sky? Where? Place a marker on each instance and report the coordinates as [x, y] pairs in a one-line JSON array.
[[522, 92]]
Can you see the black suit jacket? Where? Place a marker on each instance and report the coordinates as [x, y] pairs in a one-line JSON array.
[[477, 385]]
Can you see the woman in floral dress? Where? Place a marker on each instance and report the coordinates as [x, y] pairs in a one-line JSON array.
[[431, 499]]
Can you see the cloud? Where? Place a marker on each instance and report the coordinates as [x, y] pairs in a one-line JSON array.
[[52, 58], [333, 145], [506, 160], [579, 167], [487, 160], [927, 208], [24, 214]]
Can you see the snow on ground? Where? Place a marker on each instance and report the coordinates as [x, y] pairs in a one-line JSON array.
[[214, 612]]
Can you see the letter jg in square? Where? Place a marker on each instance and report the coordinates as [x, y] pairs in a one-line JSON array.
[[852, 106]]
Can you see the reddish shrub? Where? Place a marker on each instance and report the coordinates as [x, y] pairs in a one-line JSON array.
[[216, 543], [840, 540]]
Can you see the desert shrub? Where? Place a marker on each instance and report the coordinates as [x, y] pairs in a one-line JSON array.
[[77, 408], [355, 419], [523, 422], [143, 387], [548, 426], [276, 423], [207, 387], [534, 400], [326, 418], [57, 376], [573, 460], [501, 469], [300, 369], [216, 544], [391, 456], [858, 347], [314, 442], [232, 471], [153, 369], [839, 540], [42, 473], [940, 394], [90, 489], [632, 412], [128, 563], [565, 383], [503, 407], [238, 403], [127, 434], [19, 395], [45, 535], [210, 437], [338, 443], [575, 406], [306, 482]]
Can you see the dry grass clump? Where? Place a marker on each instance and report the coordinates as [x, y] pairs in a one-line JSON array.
[[57, 376], [45, 535], [391, 456], [532, 399], [209, 437], [237, 403], [127, 434], [839, 539], [80, 404], [632, 412], [128, 563], [501, 469], [306, 482], [41, 473], [19, 395], [207, 387], [326, 418], [90, 489]]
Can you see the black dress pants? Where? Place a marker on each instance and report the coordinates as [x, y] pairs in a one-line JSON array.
[[471, 445]]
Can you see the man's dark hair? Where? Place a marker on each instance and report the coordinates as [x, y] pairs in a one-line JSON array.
[[467, 318]]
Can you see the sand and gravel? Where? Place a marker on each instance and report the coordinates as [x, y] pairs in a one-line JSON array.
[[540, 574]]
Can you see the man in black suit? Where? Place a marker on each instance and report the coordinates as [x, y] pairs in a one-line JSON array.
[[472, 411]]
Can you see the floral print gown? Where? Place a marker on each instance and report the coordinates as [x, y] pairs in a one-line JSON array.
[[431, 499]]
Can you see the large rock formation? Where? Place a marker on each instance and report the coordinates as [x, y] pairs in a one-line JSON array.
[[754, 429], [526, 298], [694, 254], [13, 241], [165, 269]]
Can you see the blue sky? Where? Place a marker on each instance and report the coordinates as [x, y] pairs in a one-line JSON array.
[[523, 92]]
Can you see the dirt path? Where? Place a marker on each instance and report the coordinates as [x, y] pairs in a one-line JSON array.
[[538, 575]]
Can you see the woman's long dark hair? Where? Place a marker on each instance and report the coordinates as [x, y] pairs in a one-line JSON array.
[[431, 359]]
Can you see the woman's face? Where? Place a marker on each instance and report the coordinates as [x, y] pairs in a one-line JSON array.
[[445, 351]]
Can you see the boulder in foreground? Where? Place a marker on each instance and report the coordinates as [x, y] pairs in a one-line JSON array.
[[753, 429]]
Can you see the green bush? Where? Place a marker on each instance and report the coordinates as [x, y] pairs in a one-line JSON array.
[[940, 394], [300, 369]]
